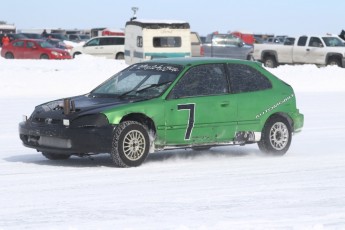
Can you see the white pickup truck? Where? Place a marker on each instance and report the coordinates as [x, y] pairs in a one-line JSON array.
[[319, 50]]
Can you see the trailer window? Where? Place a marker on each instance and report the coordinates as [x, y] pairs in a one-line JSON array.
[[167, 42], [139, 41]]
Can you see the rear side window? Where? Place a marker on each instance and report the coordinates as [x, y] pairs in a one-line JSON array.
[[302, 41], [244, 78], [18, 44], [108, 41], [167, 42]]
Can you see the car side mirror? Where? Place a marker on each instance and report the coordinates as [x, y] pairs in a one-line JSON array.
[[240, 44]]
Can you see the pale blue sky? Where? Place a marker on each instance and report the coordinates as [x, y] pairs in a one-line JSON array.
[[291, 17]]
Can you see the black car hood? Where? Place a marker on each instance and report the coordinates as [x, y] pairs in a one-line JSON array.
[[82, 105]]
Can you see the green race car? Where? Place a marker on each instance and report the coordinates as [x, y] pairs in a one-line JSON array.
[[172, 103]]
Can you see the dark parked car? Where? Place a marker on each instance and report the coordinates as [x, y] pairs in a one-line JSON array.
[[78, 37], [32, 35], [168, 103], [32, 49], [61, 37], [59, 44]]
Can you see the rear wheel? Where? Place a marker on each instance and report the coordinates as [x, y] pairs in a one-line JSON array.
[[55, 156], [131, 144], [75, 54], [276, 136], [270, 62], [9, 55], [120, 56], [44, 56]]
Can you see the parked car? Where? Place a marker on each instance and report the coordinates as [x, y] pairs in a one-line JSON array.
[[32, 35], [59, 44], [318, 50], [108, 46], [59, 36], [168, 103], [32, 49], [78, 37], [227, 46]]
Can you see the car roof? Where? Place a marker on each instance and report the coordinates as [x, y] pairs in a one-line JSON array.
[[198, 61]]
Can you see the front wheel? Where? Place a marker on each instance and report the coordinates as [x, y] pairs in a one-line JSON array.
[[334, 61], [131, 144], [55, 156], [44, 56], [276, 136], [120, 56]]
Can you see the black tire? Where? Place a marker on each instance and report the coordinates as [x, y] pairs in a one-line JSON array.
[[276, 136], [270, 62], [9, 55], [131, 144], [75, 54], [44, 56], [120, 56], [55, 156], [334, 61]]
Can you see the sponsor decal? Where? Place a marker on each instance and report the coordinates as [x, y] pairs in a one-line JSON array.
[[155, 67], [279, 103]]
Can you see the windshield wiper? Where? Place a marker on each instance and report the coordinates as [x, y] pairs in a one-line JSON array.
[[136, 90], [152, 86]]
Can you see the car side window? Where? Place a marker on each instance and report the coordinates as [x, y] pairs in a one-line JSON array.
[[119, 41], [30, 44], [244, 78], [202, 80], [93, 42], [18, 44], [315, 42], [302, 41]]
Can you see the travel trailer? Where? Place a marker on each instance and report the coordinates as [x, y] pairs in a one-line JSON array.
[[148, 39]]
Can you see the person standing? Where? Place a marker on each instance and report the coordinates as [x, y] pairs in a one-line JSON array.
[[5, 40]]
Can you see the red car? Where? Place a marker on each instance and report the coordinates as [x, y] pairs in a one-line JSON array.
[[32, 49]]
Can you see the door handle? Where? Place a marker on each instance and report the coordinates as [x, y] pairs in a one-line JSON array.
[[308, 49]]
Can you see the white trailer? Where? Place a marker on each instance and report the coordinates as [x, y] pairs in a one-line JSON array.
[[149, 39]]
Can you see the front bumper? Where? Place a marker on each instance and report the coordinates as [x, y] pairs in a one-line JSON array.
[[66, 140], [298, 121]]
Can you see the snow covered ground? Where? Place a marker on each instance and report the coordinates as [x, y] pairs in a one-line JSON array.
[[223, 188]]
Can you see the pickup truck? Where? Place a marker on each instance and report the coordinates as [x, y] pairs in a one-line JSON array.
[[226, 46], [319, 50]]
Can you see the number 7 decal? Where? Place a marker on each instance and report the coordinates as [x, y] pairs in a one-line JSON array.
[[190, 126]]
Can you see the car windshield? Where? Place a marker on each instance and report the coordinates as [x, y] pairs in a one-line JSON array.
[[146, 80], [45, 44], [333, 41]]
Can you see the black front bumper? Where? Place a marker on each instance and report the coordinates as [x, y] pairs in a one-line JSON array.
[[66, 140]]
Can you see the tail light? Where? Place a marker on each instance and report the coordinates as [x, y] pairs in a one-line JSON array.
[[202, 51]]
